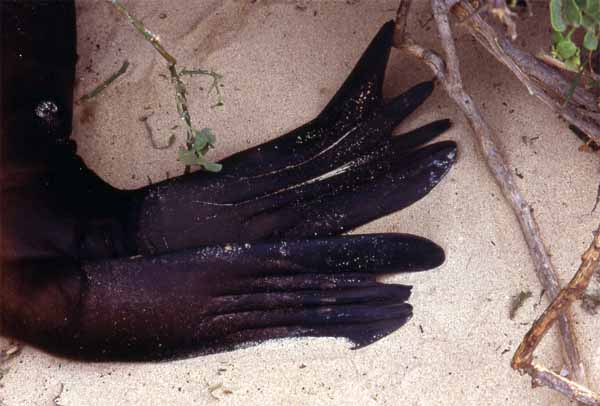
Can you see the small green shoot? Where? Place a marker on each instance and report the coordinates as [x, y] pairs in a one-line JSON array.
[[195, 139], [572, 87], [198, 142], [216, 82], [203, 140], [568, 17]]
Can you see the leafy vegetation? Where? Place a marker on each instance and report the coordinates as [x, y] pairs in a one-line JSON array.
[[569, 17], [203, 140], [198, 142]]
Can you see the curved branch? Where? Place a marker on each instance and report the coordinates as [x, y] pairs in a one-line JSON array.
[[449, 77]]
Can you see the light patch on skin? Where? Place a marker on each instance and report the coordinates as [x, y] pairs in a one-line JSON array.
[[300, 164]]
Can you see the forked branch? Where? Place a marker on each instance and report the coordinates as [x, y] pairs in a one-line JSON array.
[[448, 73], [523, 358]]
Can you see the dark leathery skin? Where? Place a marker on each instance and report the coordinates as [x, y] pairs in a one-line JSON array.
[[207, 261]]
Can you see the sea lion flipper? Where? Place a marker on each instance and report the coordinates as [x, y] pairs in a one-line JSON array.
[[92, 272], [315, 200], [337, 203], [362, 91], [422, 135], [214, 298], [360, 324], [358, 98], [407, 180]]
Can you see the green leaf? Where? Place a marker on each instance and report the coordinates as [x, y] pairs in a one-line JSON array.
[[208, 135], [588, 22], [572, 13], [590, 41], [592, 8], [574, 62], [557, 37], [212, 166], [200, 143], [556, 18], [566, 49], [203, 139], [194, 158], [187, 157]]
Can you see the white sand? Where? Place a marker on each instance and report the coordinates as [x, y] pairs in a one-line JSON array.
[[281, 64]]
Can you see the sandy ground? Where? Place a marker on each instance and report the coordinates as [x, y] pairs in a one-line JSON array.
[[281, 62]]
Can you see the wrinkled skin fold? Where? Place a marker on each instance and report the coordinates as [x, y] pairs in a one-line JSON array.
[[204, 262]]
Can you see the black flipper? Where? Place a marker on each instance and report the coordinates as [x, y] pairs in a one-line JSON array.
[[360, 334], [358, 142], [359, 196], [362, 91], [358, 97], [179, 215], [194, 301], [92, 272], [422, 135], [280, 187], [357, 100]]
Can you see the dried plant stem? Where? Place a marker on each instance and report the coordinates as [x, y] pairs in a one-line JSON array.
[[523, 358], [549, 86], [532, 73], [182, 106], [180, 89], [401, 21], [151, 37], [449, 76]]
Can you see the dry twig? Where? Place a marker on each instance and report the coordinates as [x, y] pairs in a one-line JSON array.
[[449, 76], [489, 38], [523, 358]]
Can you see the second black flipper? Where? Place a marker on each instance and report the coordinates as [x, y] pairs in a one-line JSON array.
[[180, 214], [215, 298], [357, 99]]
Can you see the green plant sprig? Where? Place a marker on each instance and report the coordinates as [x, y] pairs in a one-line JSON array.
[[216, 82], [198, 141], [568, 17]]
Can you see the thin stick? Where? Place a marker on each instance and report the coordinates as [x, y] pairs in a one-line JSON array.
[[401, 21], [543, 266], [182, 106], [590, 260]]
